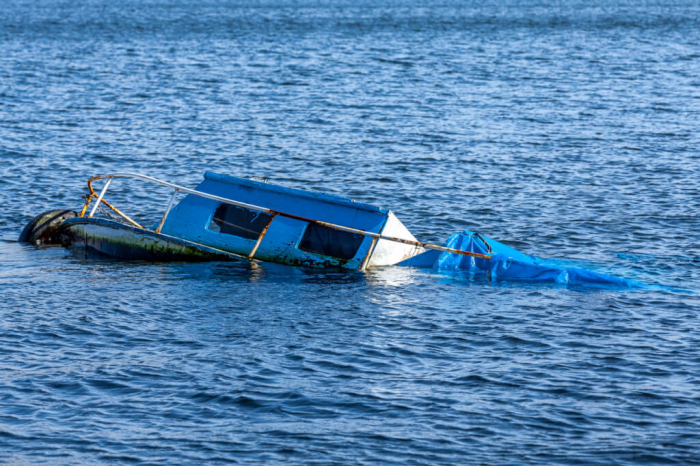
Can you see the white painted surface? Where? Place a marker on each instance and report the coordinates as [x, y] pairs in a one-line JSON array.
[[390, 252]]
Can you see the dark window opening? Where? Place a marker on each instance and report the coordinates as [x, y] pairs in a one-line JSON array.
[[236, 221], [330, 242]]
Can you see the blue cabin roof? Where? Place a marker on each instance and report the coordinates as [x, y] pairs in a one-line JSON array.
[[283, 190]]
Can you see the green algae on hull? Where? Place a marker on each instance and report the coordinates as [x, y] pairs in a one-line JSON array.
[[120, 241]]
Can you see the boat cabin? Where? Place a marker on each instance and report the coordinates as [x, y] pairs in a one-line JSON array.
[[292, 228]]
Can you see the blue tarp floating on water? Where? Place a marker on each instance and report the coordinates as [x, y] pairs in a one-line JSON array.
[[507, 263]]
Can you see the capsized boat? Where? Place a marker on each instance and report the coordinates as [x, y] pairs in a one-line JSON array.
[[230, 218]]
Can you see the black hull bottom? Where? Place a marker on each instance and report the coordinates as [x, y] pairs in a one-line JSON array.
[[112, 239]]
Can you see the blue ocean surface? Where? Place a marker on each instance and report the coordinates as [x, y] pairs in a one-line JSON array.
[[566, 129]]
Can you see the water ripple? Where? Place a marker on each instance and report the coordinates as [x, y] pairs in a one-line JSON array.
[[567, 129]]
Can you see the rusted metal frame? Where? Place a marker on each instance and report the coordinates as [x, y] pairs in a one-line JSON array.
[[372, 247], [167, 210], [87, 203], [260, 238], [92, 194], [365, 261], [126, 217], [274, 212]]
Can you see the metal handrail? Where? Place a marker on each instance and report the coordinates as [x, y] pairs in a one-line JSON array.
[[271, 212]]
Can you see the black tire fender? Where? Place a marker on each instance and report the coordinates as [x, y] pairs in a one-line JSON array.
[[45, 228]]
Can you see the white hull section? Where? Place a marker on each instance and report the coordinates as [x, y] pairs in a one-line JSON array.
[[390, 252]]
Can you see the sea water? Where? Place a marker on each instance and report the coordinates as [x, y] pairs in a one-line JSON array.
[[566, 129]]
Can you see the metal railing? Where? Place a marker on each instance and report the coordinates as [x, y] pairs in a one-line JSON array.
[[273, 213]]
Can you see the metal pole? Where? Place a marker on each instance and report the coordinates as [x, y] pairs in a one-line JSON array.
[[167, 211], [260, 238], [99, 198], [370, 251]]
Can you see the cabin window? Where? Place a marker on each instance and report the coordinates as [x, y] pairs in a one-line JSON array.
[[329, 242], [237, 221]]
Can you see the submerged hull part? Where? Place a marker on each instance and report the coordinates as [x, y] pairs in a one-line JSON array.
[[113, 239]]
